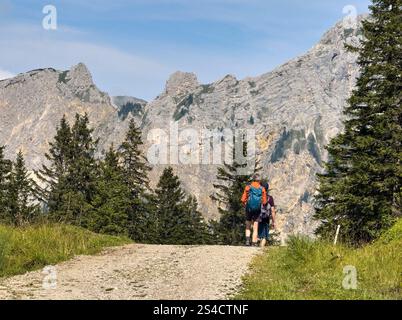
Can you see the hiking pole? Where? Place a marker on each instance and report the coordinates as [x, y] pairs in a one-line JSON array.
[[337, 234]]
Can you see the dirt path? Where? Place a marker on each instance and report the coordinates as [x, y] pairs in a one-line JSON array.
[[140, 272]]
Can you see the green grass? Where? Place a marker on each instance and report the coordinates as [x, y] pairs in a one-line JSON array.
[[31, 248], [312, 270]]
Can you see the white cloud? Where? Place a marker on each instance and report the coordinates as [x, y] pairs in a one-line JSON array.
[[114, 70], [5, 74], [125, 72]]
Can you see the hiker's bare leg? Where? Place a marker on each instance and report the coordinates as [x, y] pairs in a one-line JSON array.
[[255, 232], [248, 229]]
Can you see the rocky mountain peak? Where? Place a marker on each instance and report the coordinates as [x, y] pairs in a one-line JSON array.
[[180, 83], [228, 81], [77, 83], [346, 31], [79, 76]]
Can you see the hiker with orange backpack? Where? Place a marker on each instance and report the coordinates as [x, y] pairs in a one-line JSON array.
[[254, 196]]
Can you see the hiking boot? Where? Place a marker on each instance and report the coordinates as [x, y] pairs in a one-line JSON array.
[[248, 242], [255, 244]]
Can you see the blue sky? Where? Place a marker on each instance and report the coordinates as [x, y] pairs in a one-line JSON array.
[[131, 47]]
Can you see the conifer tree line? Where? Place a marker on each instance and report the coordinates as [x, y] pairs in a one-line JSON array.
[[17, 192], [111, 195]]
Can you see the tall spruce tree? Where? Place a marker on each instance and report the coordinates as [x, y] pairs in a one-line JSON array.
[[361, 189], [53, 177], [143, 220], [134, 162], [169, 208], [70, 178], [197, 231], [82, 173], [111, 203], [5, 171], [136, 170], [178, 218], [21, 208]]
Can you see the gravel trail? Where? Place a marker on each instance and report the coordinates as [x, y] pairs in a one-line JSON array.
[[140, 272]]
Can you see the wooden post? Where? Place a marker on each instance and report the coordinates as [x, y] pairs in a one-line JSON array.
[[337, 234]]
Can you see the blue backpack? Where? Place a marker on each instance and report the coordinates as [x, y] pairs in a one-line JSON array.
[[254, 199]]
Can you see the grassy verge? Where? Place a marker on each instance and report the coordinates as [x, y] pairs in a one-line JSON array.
[[314, 270], [32, 248]]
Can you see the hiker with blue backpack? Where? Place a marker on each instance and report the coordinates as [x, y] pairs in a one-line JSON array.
[[254, 196], [268, 214]]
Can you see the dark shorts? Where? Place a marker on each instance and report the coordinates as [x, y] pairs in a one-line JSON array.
[[263, 230], [252, 215]]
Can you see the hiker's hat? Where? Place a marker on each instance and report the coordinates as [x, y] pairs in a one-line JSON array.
[[266, 186]]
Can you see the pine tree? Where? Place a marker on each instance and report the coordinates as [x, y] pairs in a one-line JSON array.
[[169, 208], [5, 171], [82, 173], [110, 206], [70, 178], [53, 177], [21, 209], [143, 220], [178, 218], [135, 164], [231, 226], [136, 170], [361, 189], [196, 230]]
